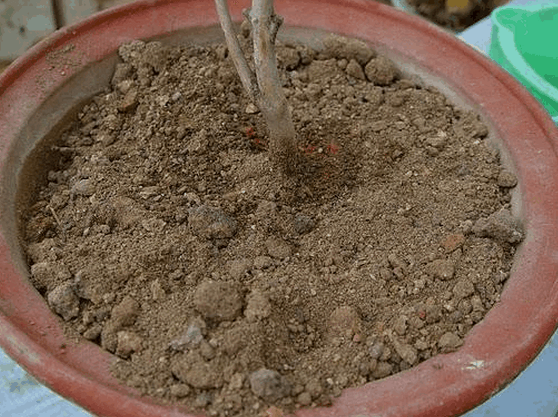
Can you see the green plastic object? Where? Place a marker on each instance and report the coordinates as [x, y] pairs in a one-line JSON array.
[[525, 42]]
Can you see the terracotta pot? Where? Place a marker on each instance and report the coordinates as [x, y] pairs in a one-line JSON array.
[[57, 75]]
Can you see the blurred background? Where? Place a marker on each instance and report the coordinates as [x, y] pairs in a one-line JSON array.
[[24, 22]]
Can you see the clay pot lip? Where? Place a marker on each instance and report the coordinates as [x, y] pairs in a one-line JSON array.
[[495, 350]]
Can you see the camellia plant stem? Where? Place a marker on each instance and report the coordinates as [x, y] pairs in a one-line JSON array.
[[264, 87]]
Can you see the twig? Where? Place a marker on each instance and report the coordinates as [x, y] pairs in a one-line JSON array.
[[58, 222], [264, 88], [247, 77], [273, 103], [55, 217]]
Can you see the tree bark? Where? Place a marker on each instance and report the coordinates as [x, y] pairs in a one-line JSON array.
[[265, 86]]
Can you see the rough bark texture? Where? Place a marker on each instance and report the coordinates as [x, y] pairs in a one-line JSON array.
[[265, 87]]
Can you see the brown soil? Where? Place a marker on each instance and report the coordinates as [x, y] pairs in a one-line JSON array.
[[168, 238]]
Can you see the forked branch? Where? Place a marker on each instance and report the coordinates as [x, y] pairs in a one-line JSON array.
[[264, 87], [247, 77]]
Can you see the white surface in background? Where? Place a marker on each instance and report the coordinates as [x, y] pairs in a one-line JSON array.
[[74, 10], [22, 24], [22, 396]]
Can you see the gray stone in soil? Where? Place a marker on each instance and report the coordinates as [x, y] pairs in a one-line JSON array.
[[125, 86], [500, 226], [64, 301], [211, 222], [192, 338], [269, 385], [129, 102], [449, 342], [179, 390], [303, 224], [465, 307], [407, 352], [84, 187], [375, 350], [437, 141], [121, 73], [506, 179], [203, 399], [93, 332]]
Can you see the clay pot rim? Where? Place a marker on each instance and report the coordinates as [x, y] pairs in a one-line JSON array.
[[494, 351]]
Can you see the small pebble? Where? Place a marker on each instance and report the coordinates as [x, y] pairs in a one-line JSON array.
[[257, 306], [449, 342], [464, 288], [303, 224], [382, 370], [304, 398], [129, 102], [211, 222], [252, 109], [128, 342], [442, 269], [64, 301], [380, 71], [355, 70], [344, 322], [500, 226], [269, 385], [179, 390], [407, 352], [84, 187], [219, 301], [507, 179]]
